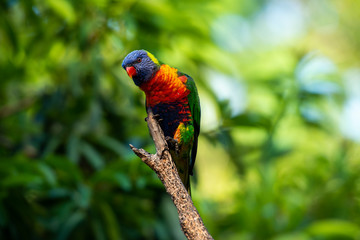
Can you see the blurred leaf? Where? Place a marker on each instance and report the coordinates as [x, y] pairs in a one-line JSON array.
[[64, 9], [292, 236], [92, 156], [114, 145], [110, 222], [23, 179], [71, 223], [123, 181], [73, 148], [59, 193], [65, 170], [83, 196], [334, 228], [49, 174], [249, 119], [51, 146]]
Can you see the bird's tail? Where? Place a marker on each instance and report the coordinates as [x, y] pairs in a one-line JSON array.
[[186, 181], [188, 187], [182, 165]]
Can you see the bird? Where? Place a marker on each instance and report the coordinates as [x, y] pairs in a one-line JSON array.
[[173, 98]]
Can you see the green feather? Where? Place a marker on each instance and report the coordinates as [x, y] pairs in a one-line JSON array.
[[194, 103]]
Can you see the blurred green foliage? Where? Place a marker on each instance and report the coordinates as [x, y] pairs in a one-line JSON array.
[[279, 83]]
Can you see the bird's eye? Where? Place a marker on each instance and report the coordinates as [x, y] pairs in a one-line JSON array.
[[138, 60]]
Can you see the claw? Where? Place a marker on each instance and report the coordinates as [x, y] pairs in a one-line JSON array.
[[173, 144], [157, 117]]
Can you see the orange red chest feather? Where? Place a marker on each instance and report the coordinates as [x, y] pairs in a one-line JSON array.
[[166, 87]]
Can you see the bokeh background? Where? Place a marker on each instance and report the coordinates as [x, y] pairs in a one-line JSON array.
[[279, 151]]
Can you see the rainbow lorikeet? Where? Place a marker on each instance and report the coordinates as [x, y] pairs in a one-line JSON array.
[[172, 96]]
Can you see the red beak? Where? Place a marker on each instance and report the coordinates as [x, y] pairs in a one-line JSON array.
[[131, 71]]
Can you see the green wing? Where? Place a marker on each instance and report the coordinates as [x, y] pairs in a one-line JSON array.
[[194, 103]]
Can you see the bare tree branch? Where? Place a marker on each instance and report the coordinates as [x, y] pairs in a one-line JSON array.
[[161, 162]]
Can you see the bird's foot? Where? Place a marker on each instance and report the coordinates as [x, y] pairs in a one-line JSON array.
[[157, 117], [173, 144]]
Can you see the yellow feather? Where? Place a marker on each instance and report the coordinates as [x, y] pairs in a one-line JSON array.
[[153, 58]]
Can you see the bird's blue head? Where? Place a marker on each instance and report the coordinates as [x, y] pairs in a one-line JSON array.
[[141, 66]]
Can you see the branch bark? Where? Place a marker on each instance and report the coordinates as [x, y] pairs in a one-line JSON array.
[[190, 221]]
